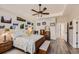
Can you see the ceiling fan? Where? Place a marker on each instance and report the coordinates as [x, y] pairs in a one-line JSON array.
[[40, 12]]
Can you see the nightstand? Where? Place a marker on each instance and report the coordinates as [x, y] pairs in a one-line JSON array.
[[5, 46]]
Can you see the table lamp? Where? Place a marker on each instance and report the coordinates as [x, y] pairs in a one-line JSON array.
[[5, 34]]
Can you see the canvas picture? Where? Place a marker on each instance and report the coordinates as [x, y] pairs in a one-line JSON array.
[[6, 19], [15, 24], [52, 24], [22, 26], [20, 19], [2, 26], [43, 23], [29, 23], [38, 24]]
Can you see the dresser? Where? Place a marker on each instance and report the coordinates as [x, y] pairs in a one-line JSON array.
[[5, 46]]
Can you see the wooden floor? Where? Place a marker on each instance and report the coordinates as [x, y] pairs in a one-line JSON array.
[[59, 46]]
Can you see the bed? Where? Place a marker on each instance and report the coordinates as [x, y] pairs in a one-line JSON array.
[[27, 43]]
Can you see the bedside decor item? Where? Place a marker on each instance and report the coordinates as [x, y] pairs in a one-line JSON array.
[[20, 19], [6, 19], [43, 23]]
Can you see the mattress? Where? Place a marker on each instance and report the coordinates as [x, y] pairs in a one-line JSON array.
[[26, 43]]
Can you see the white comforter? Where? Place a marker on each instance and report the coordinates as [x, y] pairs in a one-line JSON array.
[[26, 43]]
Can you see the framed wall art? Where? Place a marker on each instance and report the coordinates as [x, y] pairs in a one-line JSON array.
[[20, 19], [22, 26], [43, 23], [2, 26], [52, 24], [16, 24], [29, 23], [38, 24], [6, 19]]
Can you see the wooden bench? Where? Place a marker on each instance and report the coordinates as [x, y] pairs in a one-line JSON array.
[[44, 47]]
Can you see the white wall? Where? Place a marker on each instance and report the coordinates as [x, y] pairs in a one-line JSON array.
[[4, 12], [48, 20], [57, 31]]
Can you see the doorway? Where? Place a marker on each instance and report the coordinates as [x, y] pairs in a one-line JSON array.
[[68, 32], [60, 30], [77, 34]]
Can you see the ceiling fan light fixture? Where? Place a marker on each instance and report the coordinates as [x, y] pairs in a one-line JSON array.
[[39, 4]]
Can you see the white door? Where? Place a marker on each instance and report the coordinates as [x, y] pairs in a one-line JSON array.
[[77, 34], [65, 31], [76, 41], [52, 33], [60, 30]]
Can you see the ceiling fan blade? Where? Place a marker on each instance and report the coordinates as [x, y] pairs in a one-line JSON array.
[[34, 14], [44, 9], [34, 10], [40, 12], [46, 13]]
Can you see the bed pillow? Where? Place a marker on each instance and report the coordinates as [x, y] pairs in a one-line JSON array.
[[17, 34]]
